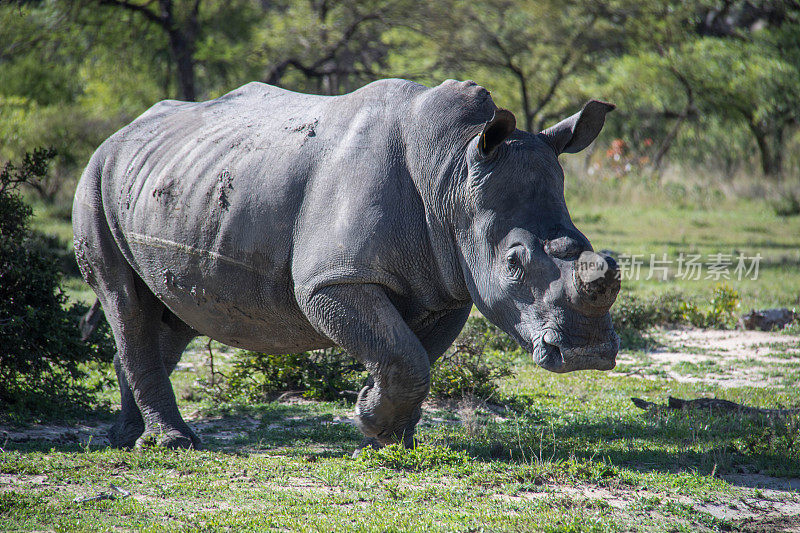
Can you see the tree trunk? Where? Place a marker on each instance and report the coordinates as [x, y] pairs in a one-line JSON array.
[[182, 38], [769, 148], [182, 52], [668, 140]]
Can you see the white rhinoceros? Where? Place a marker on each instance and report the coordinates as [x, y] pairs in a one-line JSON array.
[[284, 222]]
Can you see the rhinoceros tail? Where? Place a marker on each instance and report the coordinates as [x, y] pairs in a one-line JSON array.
[[90, 320]]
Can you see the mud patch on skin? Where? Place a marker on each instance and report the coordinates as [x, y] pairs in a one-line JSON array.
[[307, 128], [165, 193], [85, 267], [225, 184]]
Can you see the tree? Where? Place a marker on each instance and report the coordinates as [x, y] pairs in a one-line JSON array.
[[538, 47], [735, 65], [748, 80], [180, 22], [329, 46], [41, 352]]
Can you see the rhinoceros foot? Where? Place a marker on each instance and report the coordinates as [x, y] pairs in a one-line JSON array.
[[366, 443], [172, 439], [381, 418], [124, 433]]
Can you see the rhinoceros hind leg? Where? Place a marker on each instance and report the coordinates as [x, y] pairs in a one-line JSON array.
[[148, 346], [147, 353], [129, 425], [173, 337]]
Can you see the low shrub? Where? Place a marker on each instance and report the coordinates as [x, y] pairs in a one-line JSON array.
[[43, 362], [631, 312], [472, 367], [320, 375], [492, 337], [634, 315], [779, 437], [475, 364], [720, 313], [787, 204]]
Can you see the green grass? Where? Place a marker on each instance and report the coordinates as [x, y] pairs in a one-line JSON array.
[[566, 453], [731, 227], [569, 453]]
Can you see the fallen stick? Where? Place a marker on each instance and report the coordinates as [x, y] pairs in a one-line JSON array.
[[711, 404], [104, 495]]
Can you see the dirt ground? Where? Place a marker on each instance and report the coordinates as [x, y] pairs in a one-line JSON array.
[[733, 358]]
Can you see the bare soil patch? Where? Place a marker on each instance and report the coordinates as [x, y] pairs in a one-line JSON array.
[[736, 358]]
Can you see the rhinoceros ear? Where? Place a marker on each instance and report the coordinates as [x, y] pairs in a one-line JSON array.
[[496, 131], [575, 133]]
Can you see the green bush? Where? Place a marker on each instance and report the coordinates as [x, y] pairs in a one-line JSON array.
[[631, 312], [634, 315], [321, 375], [492, 337], [43, 362], [721, 312], [473, 367], [788, 204], [475, 364]]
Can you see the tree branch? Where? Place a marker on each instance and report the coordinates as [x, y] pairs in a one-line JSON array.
[[277, 71], [563, 71], [137, 8]]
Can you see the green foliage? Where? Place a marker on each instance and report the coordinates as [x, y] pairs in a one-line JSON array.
[[420, 457], [637, 313], [720, 313], [779, 437], [73, 72], [13, 501], [478, 329], [788, 205], [42, 359], [475, 364], [320, 375], [633, 315]]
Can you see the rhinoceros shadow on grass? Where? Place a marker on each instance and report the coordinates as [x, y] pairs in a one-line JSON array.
[[285, 222]]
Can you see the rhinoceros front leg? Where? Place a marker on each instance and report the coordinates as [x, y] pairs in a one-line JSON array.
[[362, 320], [436, 342]]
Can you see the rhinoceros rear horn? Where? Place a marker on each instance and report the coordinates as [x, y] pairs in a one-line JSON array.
[[496, 131], [575, 133]]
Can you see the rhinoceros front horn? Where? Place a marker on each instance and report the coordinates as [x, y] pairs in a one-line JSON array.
[[597, 282]]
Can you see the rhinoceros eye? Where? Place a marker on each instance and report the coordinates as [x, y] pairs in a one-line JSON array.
[[514, 265]]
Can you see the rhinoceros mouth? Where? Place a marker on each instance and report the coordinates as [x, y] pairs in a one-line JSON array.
[[551, 353]]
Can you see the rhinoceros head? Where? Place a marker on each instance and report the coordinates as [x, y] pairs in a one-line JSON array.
[[528, 268]]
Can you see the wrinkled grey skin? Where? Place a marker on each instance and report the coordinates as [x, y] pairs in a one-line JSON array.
[[284, 222]]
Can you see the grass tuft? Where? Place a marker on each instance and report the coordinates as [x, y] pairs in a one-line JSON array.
[[420, 457]]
